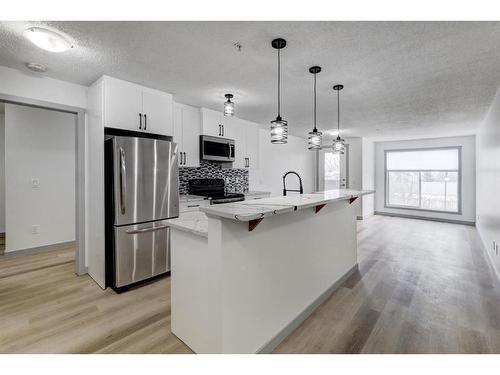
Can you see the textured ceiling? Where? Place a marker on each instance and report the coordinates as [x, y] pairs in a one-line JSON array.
[[402, 79]]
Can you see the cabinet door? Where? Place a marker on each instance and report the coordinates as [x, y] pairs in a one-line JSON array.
[[122, 104], [252, 145], [236, 130], [157, 109], [177, 129], [191, 123], [211, 122]]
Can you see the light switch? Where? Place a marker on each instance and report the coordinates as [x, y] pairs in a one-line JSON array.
[[35, 183]]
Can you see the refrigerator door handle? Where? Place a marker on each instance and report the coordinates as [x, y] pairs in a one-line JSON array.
[[123, 179], [152, 229]]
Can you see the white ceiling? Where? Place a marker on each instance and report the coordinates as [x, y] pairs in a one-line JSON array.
[[402, 79]]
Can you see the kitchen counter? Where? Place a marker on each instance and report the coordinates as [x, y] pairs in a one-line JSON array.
[[253, 193], [191, 198], [240, 285], [257, 209], [194, 222]]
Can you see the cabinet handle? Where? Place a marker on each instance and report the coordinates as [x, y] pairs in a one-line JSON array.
[[220, 130], [145, 121], [182, 160], [140, 120], [185, 158], [223, 130]]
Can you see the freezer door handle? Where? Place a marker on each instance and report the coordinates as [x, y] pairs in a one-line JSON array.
[[151, 229], [123, 183]]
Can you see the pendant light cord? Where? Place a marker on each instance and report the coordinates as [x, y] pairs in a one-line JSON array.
[[315, 102], [338, 113], [279, 83]]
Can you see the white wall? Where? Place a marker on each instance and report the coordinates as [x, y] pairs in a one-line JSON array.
[[39, 87], [276, 160], [368, 176], [488, 181], [355, 169], [468, 176], [2, 172], [40, 144]]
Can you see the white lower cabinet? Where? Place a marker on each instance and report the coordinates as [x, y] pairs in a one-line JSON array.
[[186, 132]]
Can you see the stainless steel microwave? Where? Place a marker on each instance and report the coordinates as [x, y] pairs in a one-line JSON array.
[[216, 148]]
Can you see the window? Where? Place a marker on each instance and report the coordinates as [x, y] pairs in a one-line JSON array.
[[332, 171], [425, 179]]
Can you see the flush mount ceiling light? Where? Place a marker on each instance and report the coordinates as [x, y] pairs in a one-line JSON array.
[[314, 139], [35, 67], [279, 127], [338, 144], [47, 39], [229, 106]]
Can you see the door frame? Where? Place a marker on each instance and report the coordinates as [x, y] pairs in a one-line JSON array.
[[317, 164], [80, 165]]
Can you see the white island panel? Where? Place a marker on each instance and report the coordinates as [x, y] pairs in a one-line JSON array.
[[241, 291]]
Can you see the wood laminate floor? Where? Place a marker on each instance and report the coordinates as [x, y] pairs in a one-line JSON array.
[[2, 244], [422, 287]]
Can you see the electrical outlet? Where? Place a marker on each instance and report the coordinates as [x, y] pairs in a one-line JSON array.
[[35, 183], [35, 229]]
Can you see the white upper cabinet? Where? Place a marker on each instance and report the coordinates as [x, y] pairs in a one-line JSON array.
[[157, 112], [122, 104], [213, 123], [244, 133], [252, 145], [133, 107], [187, 124], [236, 129], [191, 122]]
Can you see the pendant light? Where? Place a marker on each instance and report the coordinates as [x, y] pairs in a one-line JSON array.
[[338, 144], [228, 106], [279, 127], [314, 139]]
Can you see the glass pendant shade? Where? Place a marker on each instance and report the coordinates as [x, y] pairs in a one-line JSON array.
[[279, 131], [338, 145], [229, 106], [314, 140]]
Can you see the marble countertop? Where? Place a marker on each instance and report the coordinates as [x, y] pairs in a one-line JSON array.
[[191, 198], [256, 192], [257, 209], [195, 222]]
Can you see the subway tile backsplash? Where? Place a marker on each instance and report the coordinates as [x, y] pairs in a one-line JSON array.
[[236, 179]]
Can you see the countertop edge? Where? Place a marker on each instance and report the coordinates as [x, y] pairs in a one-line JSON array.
[[212, 211]]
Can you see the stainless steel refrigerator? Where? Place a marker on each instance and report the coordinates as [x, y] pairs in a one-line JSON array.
[[141, 191]]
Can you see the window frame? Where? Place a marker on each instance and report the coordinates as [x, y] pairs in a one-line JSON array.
[[459, 179]]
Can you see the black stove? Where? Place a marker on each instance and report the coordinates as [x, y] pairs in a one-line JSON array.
[[215, 189]]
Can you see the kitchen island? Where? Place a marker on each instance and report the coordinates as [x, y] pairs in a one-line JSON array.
[[246, 274]]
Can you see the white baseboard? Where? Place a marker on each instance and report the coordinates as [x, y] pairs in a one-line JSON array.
[[406, 216], [39, 249]]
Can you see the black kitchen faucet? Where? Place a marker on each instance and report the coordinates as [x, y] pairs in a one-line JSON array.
[[301, 190]]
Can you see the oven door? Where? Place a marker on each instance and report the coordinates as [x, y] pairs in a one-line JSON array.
[[216, 149]]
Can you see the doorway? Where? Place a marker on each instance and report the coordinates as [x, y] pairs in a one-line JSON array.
[[332, 169], [77, 177]]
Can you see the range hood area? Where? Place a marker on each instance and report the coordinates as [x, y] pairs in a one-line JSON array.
[[217, 149]]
